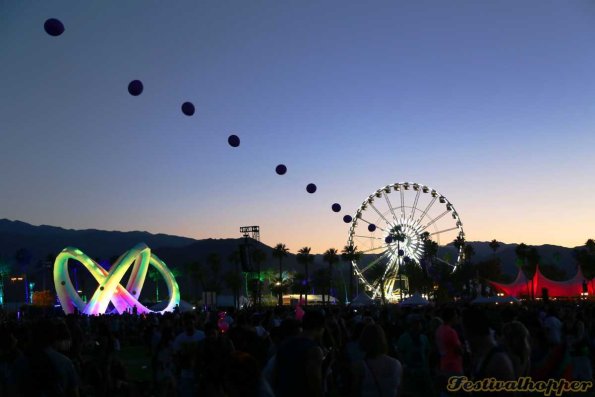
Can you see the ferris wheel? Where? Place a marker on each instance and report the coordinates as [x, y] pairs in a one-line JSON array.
[[397, 224]]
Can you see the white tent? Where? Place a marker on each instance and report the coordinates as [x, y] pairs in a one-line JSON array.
[[415, 300], [362, 300]]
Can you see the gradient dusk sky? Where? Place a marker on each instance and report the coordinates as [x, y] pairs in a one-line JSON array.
[[490, 103]]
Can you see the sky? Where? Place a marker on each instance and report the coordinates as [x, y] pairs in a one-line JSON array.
[[490, 103]]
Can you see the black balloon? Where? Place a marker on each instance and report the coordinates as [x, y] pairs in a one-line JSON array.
[[388, 239], [401, 252], [371, 227], [233, 140], [336, 207], [188, 108], [311, 188], [281, 169], [347, 218], [53, 27], [135, 88]]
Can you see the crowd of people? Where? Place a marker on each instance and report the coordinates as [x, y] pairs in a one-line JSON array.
[[382, 351]]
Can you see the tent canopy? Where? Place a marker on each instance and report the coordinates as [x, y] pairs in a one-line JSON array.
[[524, 286], [415, 300], [362, 300]]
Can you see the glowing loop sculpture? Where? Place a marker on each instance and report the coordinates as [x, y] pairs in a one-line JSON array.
[[110, 289]]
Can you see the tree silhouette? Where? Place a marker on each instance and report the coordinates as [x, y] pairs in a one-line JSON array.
[[349, 255], [469, 252], [280, 251], [494, 245], [320, 281], [459, 242], [305, 258], [521, 253], [585, 258], [331, 257], [299, 284]]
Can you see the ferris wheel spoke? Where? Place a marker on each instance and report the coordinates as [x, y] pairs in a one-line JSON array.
[[371, 223], [444, 231], [414, 205], [373, 263], [379, 213], [435, 219], [370, 237], [423, 214], [390, 206], [394, 260], [375, 249], [402, 191]]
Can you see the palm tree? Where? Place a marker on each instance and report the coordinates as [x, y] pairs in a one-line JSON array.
[[299, 284], [331, 257], [494, 245], [305, 258], [320, 281], [459, 242], [521, 254], [280, 251], [350, 254]]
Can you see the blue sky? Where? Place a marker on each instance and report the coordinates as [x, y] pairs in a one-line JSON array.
[[493, 104]]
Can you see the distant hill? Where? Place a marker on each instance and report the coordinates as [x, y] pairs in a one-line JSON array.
[[41, 241], [561, 257]]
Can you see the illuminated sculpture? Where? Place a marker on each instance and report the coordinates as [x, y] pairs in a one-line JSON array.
[[110, 289]]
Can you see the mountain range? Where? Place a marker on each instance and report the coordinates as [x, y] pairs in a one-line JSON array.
[[38, 243]]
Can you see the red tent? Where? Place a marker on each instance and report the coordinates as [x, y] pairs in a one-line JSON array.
[[520, 286], [524, 286]]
